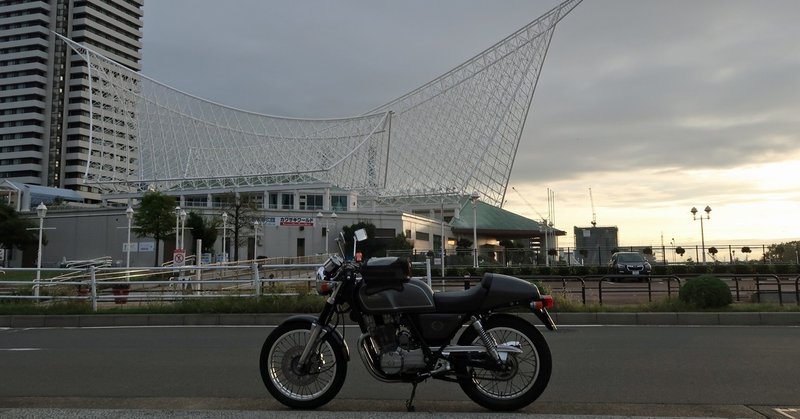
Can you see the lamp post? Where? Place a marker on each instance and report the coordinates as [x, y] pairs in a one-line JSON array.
[[702, 233], [183, 225], [177, 227], [224, 236], [327, 227], [255, 239], [474, 199], [129, 216], [41, 211]]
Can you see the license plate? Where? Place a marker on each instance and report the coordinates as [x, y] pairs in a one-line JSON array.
[[635, 272]]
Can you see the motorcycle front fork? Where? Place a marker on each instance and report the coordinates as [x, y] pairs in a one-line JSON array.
[[317, 333]]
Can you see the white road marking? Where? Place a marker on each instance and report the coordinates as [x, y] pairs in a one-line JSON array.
[[795, 413], [20, 349]]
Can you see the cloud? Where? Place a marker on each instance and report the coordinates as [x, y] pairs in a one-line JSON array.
[[655, 102]]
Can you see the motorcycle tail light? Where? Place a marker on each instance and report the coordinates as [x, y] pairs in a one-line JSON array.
[[545, 302]]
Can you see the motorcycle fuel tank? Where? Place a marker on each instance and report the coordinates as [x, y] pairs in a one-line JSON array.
[[413, 296]]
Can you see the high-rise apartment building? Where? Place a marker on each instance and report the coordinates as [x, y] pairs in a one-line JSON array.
[[44, 85]]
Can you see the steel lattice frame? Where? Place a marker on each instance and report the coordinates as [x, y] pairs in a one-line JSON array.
[[455, 135]]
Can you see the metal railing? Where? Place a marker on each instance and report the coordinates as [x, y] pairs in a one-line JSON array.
[[118, 285]]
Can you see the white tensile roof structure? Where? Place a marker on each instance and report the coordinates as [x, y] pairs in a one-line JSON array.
[[447, 139]]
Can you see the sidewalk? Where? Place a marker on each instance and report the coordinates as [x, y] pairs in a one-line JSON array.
[[271, 319]]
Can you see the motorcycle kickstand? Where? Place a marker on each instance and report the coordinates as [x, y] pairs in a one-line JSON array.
[[410, 402]]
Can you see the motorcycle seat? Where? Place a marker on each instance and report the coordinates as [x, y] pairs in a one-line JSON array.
[[463, 301]]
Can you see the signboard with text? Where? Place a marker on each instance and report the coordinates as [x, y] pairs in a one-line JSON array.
[[290, 221]]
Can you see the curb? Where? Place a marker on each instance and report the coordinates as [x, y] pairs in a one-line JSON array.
[[270, 319]]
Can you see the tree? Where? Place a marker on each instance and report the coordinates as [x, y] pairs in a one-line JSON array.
[[369, 247], [746, 250], [783, 252], [13, 229], [241, 214], [399, 242], [680, 251], [713, 252], [155, 218], [206, 231], [648, 250]]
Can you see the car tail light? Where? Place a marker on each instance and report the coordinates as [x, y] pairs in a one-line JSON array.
[[545, 302]]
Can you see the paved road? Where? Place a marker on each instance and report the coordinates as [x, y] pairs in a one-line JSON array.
[[668, 370]]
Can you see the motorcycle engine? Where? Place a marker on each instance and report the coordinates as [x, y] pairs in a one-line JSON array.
[[397, 349]]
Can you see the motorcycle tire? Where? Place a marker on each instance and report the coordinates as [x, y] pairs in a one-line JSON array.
[[289, 384], [528, 372]]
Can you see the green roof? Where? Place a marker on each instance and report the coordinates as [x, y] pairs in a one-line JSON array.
[[497, 221]]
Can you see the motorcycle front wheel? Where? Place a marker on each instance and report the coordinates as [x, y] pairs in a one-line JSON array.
[[302, 387], [524, 376]]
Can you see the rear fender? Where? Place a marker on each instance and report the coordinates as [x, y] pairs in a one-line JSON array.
[[306, 319]]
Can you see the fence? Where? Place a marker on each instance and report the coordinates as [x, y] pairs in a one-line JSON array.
[[599, 256], [105, 285]]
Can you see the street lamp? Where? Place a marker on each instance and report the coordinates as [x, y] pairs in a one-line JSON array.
[[255, 239], [474, 199], [327, 228], [177, 227], [183, 225], [224, 236], [702, 233], [129, 216], [41, 210]]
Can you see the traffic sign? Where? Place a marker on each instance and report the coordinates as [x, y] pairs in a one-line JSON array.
[[179, 257]]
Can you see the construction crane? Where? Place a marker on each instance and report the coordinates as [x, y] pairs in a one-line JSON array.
[[594, 214]]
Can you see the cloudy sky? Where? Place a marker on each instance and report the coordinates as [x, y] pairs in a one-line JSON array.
[[656, 106]]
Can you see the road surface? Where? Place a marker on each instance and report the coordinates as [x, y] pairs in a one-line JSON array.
[[667, 370]]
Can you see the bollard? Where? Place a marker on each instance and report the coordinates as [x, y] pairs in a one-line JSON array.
[[93, 279], [428, 272], [256, 280]]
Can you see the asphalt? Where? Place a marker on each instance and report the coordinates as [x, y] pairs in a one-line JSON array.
[[631, 319]]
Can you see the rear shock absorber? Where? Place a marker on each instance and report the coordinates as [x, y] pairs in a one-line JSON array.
[[486, 338]]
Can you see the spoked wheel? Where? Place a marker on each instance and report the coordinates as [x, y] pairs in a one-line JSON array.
[[521, 379], [305, 387]]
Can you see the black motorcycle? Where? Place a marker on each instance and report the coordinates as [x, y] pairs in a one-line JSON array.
[[500, 360]]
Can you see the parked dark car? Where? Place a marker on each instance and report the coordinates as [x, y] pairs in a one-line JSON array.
[[629, 263]]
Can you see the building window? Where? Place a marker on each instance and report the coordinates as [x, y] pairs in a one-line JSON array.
[[437, 242], [422, 236], [273, 201], [311, 202], [287, 201], [339, 203]]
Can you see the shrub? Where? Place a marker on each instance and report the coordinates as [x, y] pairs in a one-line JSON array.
[[706, 292]]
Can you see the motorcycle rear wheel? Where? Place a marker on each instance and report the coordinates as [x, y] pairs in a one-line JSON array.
[[526, 375], [293, 386]]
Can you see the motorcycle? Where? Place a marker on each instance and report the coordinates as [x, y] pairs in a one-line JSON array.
[[410, 334]]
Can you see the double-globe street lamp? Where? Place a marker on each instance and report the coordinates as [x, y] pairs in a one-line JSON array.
[[255, 239], [327, 227], [702, 233]]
